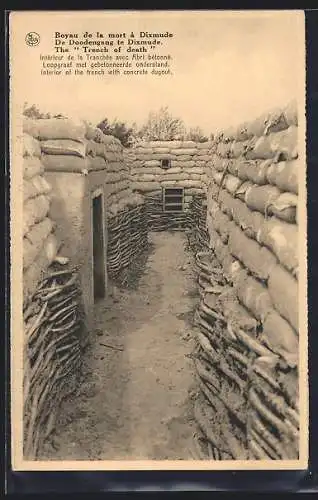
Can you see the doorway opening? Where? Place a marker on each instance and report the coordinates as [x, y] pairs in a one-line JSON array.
[[173, 199], [99, 277]]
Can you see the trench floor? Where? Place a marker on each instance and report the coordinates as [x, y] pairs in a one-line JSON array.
[[136, 398]]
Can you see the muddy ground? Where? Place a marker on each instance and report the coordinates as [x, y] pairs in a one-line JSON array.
[[138, 383]]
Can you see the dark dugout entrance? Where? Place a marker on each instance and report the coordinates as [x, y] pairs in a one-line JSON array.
[[98, 248]]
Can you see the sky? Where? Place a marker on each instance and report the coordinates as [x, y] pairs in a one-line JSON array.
[[228, 67]]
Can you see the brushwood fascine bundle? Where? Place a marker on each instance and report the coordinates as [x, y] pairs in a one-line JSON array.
[[247, 356], [127, 240], [52, 354], [52, 310], [198, 236], [157, 165]]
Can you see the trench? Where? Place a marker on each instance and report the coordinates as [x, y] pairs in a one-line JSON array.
[[136, 396]]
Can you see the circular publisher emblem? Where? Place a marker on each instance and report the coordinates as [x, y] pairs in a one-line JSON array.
[[32, 39]]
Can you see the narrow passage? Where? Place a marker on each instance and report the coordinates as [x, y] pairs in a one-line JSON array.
[[136, 398]]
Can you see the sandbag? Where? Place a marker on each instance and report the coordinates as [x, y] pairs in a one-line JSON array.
[[34, 241], [263, 148], [232, 268], [242, 169], [110, 140], [259, 260], [63, 147], [220, 249], [226, 202], [249, 148], [212, 190], [178, 177], [229, 134], [135, 172], [232, 167], [222, 225], [142, 150], [254, 171], [187, 144], [185, 151], [284, 144], [241, 191], [29, 253], [147, 178], [284, 175], [239, 211], [161, 151], [257, 126], [35, 186], [188, 183], [285, 207], [152, 163], [232, 183], [145, 186], [115, 177], [93, 133], [238, 317], [182, 164], [34, 210], [291, 113], [31, 146], [280, 337], [282, 239], [111, 156], [31, 127], [41, 184], [217, 177], [33, 275], [275, 122], [61, 128], [224, 149], [40, 231], [208, 145], [113, 166], [193, 191], [166, 156], [254, 295], [241, 133], [283, 289], [91, 147], [65, 163], [250, 222], [32, 166], [213, 235], [29, 190], [261, 197], [237, 149]]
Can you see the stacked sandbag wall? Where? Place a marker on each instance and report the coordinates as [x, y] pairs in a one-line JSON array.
[[81, 162], [40, 244], [187, 170], [247, 360], [126, 216], [52, 306]]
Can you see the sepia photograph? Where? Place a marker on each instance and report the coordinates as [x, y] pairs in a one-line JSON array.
[[158, 240]]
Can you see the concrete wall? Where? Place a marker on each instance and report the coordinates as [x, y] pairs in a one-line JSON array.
[[71, 208]]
